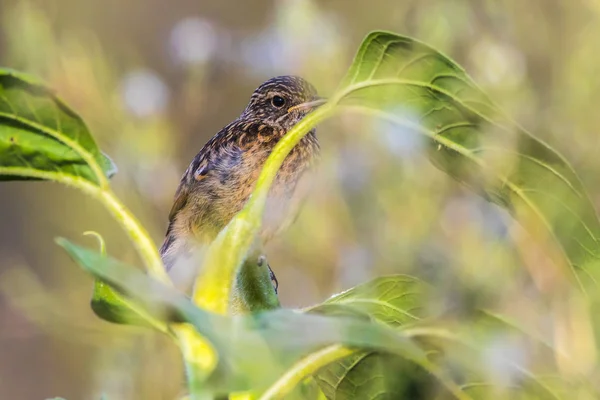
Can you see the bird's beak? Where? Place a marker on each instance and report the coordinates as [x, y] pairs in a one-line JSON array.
[[308, 105]]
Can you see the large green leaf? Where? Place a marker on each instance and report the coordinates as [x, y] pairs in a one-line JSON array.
[[400, 301], [394, 300], [41, 138], [277, 338], [406, 82]]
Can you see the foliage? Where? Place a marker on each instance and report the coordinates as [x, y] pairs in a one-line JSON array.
[[358, 343]]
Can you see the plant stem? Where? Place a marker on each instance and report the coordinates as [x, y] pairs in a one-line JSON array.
[[136, 232], [303, 368], [138, 235], [255, 206], [199, 356]]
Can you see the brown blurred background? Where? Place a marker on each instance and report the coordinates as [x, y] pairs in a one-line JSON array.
[[155, 79]]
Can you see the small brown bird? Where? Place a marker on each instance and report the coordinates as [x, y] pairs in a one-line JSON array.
[[218, 182]]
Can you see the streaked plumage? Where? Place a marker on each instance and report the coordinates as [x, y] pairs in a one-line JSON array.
[[221, 177]]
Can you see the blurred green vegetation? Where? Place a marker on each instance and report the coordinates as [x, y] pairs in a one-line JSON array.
[[155, 81]]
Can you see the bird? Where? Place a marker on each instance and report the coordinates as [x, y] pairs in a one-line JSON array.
[[221, 177]]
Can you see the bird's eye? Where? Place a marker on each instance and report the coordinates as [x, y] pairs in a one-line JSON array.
[[278, 101]]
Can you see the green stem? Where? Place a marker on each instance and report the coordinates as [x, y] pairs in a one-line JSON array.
[[138, 235], [256, 204], [304, 368], [199, 357]]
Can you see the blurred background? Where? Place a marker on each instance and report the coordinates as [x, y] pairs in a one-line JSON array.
[[155, 80]]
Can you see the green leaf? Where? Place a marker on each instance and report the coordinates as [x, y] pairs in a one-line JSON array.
[[253, 293], [408, 83], [41, 138], [394, 300], [370, 375], [277, 338], [111, 306]]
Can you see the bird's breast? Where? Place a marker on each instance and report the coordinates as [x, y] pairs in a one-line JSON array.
[[227, 187]]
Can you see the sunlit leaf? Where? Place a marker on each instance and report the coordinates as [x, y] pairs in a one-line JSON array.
[[277, 338], [41, 138], [110, 305], [372, 375], [406, 82], [394, 300]]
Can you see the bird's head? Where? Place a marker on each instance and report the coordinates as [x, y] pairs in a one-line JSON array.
[[282, 101]]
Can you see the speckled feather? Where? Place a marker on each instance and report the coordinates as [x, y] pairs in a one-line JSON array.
[[221, 177]]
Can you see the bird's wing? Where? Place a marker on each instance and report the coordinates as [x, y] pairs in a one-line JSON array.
[[198, 168], [181, 199], [199, 165], [202, 163]]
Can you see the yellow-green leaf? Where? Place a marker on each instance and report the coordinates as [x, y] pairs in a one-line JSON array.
[[406, 82], [41, 138]]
